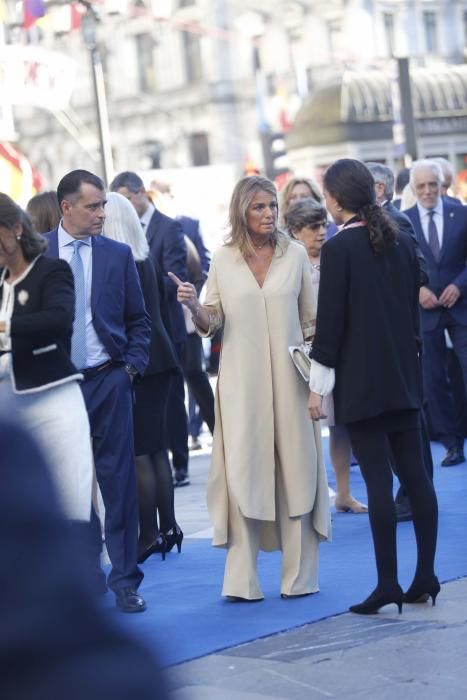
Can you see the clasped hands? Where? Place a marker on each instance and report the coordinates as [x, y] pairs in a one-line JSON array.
[[428, 300]]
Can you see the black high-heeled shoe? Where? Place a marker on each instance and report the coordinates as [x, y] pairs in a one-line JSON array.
[[422, 591], [378, 599], [159, 546], [174, 537]]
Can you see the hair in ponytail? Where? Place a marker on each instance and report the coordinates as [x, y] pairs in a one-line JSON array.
[[352, 185]]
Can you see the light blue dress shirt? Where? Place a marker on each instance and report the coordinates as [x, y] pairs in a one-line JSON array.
[[96, 354], [438, 218]]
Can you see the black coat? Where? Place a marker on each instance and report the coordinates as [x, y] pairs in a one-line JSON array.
[[404, 224], [161, 352], [42, 325], [168, 250], [368, 325]]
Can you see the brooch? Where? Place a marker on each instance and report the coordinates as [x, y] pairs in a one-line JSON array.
[[23, 297], [451, 215]]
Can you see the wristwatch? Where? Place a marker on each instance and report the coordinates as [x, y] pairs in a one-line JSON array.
[[132, 371]]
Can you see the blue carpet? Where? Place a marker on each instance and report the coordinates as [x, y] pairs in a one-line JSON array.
[[188, 619]]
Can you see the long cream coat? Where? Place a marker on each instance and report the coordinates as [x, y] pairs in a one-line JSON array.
[[261, 400]]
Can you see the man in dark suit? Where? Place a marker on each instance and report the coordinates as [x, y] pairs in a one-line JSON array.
[[441, 230], [201, 397], [55, 640], [110, 346], [168, 250]]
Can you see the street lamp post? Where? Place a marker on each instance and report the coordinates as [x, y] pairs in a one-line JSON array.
[[89, 25]]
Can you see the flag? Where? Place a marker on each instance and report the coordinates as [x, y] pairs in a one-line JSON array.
[[32, 10]]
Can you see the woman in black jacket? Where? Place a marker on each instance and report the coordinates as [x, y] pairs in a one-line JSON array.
[[154, 475], [37, 377], [368, 333]]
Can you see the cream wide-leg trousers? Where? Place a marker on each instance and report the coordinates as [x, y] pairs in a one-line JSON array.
[[298, 543]]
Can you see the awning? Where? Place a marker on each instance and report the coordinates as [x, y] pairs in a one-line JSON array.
[[18, 178], [358, 107]]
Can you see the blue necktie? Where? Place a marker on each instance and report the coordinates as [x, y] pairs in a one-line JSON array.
[[78, 339], [433, 238]]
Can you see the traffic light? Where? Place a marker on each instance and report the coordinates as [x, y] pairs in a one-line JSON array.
[[274, 153]]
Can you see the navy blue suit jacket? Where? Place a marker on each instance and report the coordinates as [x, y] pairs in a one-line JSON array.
[[168, 251], [118, 312], [451, 267]]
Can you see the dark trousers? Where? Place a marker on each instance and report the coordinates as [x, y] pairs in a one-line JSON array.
[[197, 378], [371, 448], [445, 420], [177, 421], [108, 398]]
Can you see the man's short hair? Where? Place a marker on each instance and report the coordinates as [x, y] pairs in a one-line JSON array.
[[402, 179], [127, 179], [70, 184], [384, 175]]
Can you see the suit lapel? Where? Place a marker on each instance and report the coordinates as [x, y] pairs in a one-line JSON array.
[[52, 248], [99, 269]]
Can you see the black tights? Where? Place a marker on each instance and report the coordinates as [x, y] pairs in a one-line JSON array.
[[371, 449], [155, 495]]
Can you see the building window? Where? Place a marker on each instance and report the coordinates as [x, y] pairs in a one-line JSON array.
[[145, 56], [388, 21], [430, 26], [199, 149], [192, 56]]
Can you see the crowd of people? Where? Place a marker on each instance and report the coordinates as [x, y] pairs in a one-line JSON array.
[[101, 328]]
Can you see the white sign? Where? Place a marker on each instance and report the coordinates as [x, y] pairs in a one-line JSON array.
[[36, 77]]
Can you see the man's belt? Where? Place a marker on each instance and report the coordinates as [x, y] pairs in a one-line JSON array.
[[91, 372]]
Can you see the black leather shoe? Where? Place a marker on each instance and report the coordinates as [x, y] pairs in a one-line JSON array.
[[181, 480], [403, 511], [128, 600], [454, 456]]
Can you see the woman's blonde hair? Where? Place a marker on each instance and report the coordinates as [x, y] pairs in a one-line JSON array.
[[122, 224], [242, 196], [315, 193]]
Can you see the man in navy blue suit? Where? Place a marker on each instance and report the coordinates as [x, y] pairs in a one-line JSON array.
[[441, 230], [110, 346], [168, 250]]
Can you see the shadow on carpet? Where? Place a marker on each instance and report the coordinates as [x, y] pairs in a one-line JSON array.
[[188, 619]]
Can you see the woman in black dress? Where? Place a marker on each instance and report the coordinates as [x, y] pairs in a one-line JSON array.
[[368, 333], [154, 476]]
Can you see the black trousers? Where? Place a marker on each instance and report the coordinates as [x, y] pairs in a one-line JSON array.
[[371, 447]]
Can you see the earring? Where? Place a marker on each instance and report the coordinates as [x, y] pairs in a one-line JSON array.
[[339, 208], [18, 238]]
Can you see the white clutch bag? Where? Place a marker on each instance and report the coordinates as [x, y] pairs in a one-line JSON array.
[[300, 355]]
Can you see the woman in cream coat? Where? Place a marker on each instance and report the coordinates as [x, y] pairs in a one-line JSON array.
[[267, 486]]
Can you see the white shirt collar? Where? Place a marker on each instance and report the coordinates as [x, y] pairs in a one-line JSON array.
[[147, 216], [64, 238], [438, 209]]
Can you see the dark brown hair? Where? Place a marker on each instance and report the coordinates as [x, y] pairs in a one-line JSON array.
[[353, 187], [32, 244]]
